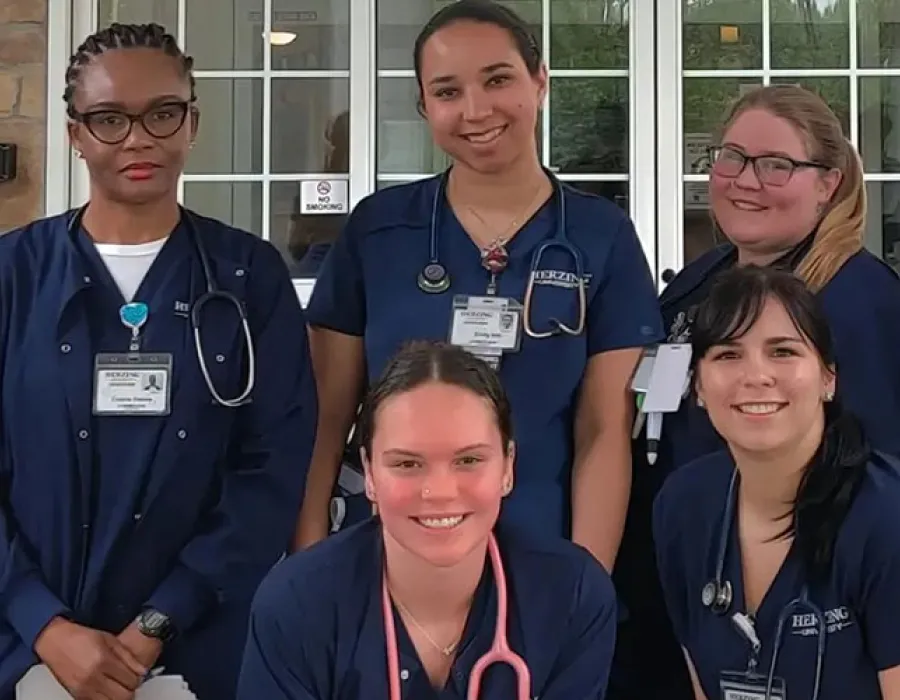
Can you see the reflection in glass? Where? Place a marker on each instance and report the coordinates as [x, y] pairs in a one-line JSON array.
[[706, 102], [589, 34], [883, 221], [835, 92], [309, 120], [700, 234], [810, 34], [403, 140], [722, 34], [311, 40], [164, 12], [589, 125], [879, 124], [230, 136], [400, 21], [302, 239], [225, 35], [238, 204], [879, 33]]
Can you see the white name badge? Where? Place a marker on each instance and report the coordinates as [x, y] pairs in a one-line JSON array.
[[132, 384], [486, 325], [750, 686]]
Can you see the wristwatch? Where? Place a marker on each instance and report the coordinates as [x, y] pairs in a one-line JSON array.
[[156, 625]]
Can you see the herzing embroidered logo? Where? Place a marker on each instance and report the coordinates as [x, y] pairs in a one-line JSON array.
[[836, 619], [560, 278]]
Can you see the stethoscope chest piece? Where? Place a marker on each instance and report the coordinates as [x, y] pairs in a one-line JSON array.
[[434, 279], [718, 596]]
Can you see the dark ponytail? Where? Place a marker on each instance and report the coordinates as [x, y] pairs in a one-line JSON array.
[[833, 476]]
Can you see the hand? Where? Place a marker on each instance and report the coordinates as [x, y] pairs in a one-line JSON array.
[[143, 648], [90, 664]]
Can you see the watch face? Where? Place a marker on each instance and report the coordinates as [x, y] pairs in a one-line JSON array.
[[154, 622]]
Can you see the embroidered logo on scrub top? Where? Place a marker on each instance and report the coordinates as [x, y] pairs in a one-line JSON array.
[[836, 620], [560, 278]]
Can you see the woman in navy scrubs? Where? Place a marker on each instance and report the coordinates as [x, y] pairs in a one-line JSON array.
[[437, 448], [787, 562], [449, 257], [786, 190], [138, 513]]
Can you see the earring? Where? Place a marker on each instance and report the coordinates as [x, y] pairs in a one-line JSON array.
[[78, 154], [700, 403], [507, 487], [829, 396]]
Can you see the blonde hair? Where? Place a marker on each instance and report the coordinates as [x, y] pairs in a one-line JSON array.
[[841, 231]]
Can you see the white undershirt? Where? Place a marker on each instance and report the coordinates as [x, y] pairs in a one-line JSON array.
[[128, 264]]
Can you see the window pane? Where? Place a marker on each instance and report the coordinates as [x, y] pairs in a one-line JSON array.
[[835, 92], [303, 239], [883, 221], [589, 34], [705, 102], [404, 140], [164, 12], [879, 33], [810, 34], [722, 34], [589, 125], [304, 39], [230, 136], [224, 35], [699, 233], [310, 125], [400, 21], [879, 124], [238, 204]]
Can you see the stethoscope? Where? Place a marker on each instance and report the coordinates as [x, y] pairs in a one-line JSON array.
[[718, 595], [434, 278], [212, 292], [499, 653]]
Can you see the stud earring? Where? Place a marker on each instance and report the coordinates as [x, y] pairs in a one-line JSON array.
[[829, 396], [79, 154], [700, 403]]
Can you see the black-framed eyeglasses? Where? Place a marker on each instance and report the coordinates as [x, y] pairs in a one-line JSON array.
[[775, 171], [112, 126]]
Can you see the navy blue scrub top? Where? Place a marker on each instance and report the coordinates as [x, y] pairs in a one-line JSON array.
[[860, 600], [862, 305], [367, 287], [185, 513], [317, 625]]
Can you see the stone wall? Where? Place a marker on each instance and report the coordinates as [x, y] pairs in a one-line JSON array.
[[23, 109]]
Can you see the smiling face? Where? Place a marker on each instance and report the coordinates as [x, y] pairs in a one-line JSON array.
[[765, 390], [762, 218], [438, 471], [480, 100], [143, 167]]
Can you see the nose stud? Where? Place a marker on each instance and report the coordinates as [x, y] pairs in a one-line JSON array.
[[426, 492]]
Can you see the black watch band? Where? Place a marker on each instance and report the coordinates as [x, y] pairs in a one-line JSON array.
[[156, 625]]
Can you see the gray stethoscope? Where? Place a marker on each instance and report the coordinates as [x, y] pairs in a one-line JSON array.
[[212, 292], [434, 278], [718, 596]]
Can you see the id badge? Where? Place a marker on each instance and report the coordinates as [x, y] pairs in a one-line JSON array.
[[750, 686], [487, 326], [132, 384]]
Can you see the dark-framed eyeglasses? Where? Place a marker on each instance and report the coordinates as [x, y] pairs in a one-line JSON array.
[[775, 171], [112, 126]]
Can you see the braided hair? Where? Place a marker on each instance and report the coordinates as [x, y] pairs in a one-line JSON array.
[[125, 36]]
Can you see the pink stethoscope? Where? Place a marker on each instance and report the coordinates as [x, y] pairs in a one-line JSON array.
[[499, 652]]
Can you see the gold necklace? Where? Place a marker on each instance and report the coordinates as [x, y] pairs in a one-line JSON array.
[[501, 240], [445, 650]]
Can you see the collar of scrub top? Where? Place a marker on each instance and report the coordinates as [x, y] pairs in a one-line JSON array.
[[79, 249], [719, 258], [477, 633]]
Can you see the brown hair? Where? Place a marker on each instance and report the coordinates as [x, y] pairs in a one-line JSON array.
[[841, 232]]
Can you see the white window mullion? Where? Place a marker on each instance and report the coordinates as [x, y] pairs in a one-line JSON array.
[[267, 122], [180, 34], [642, 127]]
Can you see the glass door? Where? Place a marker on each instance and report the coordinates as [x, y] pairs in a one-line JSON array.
[[846, 50], [275, 148]]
